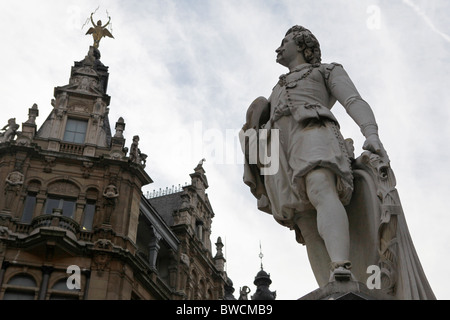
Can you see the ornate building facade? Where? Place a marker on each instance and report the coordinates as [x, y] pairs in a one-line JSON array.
[[74, 223]]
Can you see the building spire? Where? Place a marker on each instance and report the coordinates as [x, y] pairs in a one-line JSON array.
[[261, 255], [262, 283]]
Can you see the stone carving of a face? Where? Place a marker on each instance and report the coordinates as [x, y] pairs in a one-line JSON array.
[[287, 51]]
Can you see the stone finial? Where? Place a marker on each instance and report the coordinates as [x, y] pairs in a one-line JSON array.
[[219, 246], [120, 128], [219, 259], [199, 180], [33, 113]]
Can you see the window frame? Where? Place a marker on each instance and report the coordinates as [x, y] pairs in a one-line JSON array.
[[55, 293], [89, 204], [61, 200], [76, 133], [28, 211], [18, 289]]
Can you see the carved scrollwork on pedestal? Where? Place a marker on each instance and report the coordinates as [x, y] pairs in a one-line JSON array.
[[390, 205]]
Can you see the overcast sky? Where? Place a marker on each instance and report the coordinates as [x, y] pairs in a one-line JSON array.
[[182, 74]]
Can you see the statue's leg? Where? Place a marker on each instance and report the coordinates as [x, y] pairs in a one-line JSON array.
[[315, 246], [332, 220]]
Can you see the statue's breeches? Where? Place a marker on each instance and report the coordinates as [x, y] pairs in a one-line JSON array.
[[304, 147]]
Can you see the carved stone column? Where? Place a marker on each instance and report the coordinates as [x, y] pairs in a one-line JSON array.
[[5, 266], [40, 201], [173, 268], [46, 271], [154, 247]]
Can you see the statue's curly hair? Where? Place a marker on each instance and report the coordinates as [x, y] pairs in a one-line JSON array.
[[308, 44]]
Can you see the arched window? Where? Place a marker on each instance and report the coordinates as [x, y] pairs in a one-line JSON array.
[[21, 287], [28, 209], [62, 197], [88, 216], [65, 204], [30, 201], [89, 209], [60, 291]]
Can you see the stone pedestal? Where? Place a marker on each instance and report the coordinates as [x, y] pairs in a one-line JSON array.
[[346, 290]]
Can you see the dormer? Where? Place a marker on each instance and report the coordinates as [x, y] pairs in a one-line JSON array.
[[79, 123]]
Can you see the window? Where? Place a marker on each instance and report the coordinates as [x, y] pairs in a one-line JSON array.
[[21, 287], [199, 229], [60, 291], [88, 219], [75, 131], [67, 205], [28, 210]]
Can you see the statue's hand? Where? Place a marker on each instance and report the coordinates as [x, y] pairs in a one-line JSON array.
[[373, 144]]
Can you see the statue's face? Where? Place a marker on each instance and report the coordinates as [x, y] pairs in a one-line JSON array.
[[287, 51]]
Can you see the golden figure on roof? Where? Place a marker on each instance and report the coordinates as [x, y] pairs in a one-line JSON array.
[[99, 31]]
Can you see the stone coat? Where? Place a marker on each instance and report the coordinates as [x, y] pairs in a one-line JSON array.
[[309, 137]]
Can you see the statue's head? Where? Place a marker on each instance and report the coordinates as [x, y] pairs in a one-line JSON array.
[[99, 23], [307, 42]]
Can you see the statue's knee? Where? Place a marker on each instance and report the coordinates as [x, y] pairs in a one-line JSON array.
[[320, 184]]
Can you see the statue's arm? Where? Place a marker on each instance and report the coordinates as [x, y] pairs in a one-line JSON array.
[[109, 20], [92, 20], [343, 89]]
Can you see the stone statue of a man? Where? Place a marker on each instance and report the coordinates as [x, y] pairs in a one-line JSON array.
[[314, 180]]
